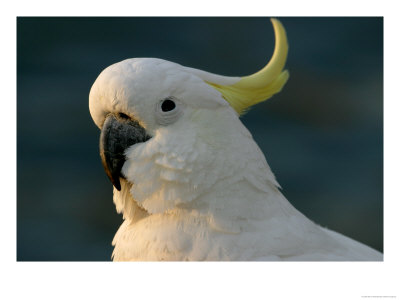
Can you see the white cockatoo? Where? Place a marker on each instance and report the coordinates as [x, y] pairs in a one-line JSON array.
[[188, 177]]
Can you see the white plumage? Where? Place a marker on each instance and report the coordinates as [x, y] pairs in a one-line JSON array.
[[200, 187]]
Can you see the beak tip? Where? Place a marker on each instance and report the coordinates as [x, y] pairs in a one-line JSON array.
[[117, 184]]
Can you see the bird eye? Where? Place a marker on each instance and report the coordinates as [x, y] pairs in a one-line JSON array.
[[168, 110], [168, 105]]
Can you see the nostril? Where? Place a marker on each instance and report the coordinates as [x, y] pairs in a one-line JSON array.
[[123, 116]]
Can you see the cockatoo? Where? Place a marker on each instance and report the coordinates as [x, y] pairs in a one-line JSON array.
[[188, 177]]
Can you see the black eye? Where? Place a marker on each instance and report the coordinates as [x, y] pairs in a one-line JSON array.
[[168, 105]]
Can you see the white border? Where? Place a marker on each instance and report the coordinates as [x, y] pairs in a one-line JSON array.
[[198, 280]]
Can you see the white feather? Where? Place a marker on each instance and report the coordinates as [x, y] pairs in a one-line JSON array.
[[200, 188]]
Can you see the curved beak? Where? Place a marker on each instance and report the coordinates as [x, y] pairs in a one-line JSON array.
[[117, 134]]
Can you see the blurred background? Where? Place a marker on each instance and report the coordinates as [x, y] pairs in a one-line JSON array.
[[322, 135]]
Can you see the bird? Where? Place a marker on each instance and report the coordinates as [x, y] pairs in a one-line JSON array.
[[188, 178]]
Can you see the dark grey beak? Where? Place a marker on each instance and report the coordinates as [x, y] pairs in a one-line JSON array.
[[118, 133]]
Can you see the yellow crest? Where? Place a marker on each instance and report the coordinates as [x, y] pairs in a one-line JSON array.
[[260, 86]]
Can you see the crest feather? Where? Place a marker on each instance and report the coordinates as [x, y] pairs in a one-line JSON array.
[[260, 86]]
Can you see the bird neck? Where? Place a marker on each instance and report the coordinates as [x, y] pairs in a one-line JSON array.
[[219, 171]]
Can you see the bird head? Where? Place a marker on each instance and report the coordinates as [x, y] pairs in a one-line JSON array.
[[163, 125]]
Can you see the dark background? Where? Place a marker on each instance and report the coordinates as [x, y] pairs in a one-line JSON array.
[[322, 135]]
